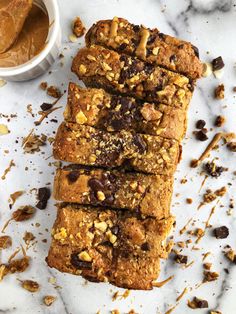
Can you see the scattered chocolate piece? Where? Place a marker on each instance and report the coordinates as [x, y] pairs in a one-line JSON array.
[[181, 259], [194, 163], [49, 300], [200, 124], [232, 146], [54, 92], [29, 285], [217, 64], [197, 303], [220, 121], [220, 92], [201, 136], [78, 27], [221, 232], [23, 213], [43, 196], [43, 85], [46, 106], [213, 170], [5, 242]]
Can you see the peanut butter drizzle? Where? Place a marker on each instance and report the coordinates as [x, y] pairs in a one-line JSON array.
[[114, 27], [141, 50], [30, 41]]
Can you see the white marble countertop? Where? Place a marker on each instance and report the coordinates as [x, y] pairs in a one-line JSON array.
[[210, 25]]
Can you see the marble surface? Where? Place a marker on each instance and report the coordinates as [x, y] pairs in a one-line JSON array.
[[210, 25]]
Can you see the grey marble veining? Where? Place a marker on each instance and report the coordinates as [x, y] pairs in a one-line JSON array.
[[208, 24]]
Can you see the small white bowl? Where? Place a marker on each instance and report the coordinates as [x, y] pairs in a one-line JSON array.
[[42, 62]]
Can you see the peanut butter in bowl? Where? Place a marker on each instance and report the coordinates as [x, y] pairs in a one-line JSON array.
[[23, 31]]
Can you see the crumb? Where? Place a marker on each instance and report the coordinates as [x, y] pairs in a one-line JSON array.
[[28, 237], [33, 142], [73, 38], [8, 169], [23, 213], [207, 266], [29, 285], [232, 146], [189, 200], [181, 259], [49, 300], [231, 255], [220, 121], [5, 242], [43, 85], [221, 232], [215, 312], [4, 129], [210, 276], [54, 92], [18, 265], [2, 83], [207, 69], [14, 196], [197, 303], [183, 181], [220, 92], [78, 27]]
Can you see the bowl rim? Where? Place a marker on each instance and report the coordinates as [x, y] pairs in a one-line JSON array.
[[25, 67]]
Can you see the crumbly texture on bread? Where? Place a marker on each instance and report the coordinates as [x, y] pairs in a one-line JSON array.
[[107, 245], [148, 195], [97, 108], [147, 44], [100, 67], [88, 146]]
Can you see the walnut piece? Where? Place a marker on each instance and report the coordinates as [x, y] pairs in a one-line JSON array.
[[23, 213], [149, 112], [5, 242], [49, 300], [78, 27], [29, 285], [54, 92], [220, 92]]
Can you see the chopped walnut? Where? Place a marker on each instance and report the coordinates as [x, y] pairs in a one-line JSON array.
[[231, 255], [213, 170], [43, 85], [210, 276], [181, 259], [49, 300], [149, 112], [220, 92], [5, 242], [54, 92], [33, 142], [29, 285], [221, 192], [197, 303], [220, 121], [78, 27], [23, 213]]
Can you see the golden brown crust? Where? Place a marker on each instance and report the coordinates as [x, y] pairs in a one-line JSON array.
[[95, 107], [147, 44], [105, 245], [147, 194], [86, 145], [100, 67]]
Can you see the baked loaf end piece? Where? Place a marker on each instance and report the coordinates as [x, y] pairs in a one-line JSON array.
[[88, 146], [100, 67], [147, 44], [105, 245], [109, 112], [147, 194]]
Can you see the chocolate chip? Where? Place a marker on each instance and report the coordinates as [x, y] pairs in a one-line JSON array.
[[109, 200], [181, 259], [221, 232], [201, 136], [139, 142], [73, 176], [161, 36], [217, 64], [196, 51], [43, 197], [123, 46], [46, 106], [173, 58], [201, 304], [95, 184], [77, 263], [136, 28], [115, 230], [152, 39], [145, 246], [200, 124]]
